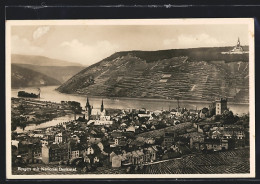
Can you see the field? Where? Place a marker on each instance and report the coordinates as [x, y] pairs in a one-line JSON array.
[[228, 162]]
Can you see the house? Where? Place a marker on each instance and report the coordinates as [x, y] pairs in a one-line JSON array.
[[200, 125], [75, 138], [105, 118], [34, 152], [137, 157], [89, 150], [196, 141], [101, 146], [119, 141], [112, 154], [100, 122], [86, 159], [123, 125], [74, 150], [237, 131], [152, 152], [130, 129], [116, 134], [44, 142], [216, 134], [175, 148], [116, 161], [168, 138], [60, 138], [211, 144], [74, 154], [96, 159], [228, 132], [149, 141], [153, 127], [193, 112], [94, 140], [55, 152], [148, 116], [224, 144], [15, 143], [157, 112]]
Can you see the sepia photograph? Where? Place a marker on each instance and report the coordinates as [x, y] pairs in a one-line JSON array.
[[130, 98]]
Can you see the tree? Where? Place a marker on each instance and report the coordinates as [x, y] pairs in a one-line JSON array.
[[22, 125], [212, 111], [217, 117], [159, 141], [204, 110], [244, 120], [21, 109], [206, 128], [160, 125], [228, 117]]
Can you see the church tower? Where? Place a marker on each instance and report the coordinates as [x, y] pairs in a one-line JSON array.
[[238, 48], [102, 106], [238, 42], [221, 105], [88, 110]]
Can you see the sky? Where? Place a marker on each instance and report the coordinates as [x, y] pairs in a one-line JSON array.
[[88, 44]]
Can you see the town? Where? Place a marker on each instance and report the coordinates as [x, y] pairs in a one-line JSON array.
[[102, 140]]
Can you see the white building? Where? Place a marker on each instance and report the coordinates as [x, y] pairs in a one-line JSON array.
[[99, 122]]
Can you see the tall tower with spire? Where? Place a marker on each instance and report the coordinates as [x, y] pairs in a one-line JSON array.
[[238, 48], [238, 42], [102, 106], [88, 110]]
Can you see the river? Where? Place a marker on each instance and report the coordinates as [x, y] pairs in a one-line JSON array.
[[48, 93], [46, 124]]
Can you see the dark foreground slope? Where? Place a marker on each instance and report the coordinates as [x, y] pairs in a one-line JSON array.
[[23, 77], [188, 74]]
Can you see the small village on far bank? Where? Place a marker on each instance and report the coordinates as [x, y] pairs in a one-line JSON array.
[[100, 140]]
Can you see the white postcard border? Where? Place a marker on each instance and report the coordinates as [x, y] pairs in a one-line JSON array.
[[248, 21]]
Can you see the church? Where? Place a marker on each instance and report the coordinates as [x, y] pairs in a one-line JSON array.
[[238, 49], [96, 113]]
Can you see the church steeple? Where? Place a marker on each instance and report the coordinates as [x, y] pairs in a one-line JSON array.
[[88, 110], [87, 104], [102, 106], [238, 42]]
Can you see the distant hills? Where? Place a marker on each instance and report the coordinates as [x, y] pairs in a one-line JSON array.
[[23, 77], [58, 70], [188, 74], [40, 61]]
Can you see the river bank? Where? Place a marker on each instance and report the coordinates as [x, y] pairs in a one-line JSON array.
[[26, 112], [49, 93], [152, 99]]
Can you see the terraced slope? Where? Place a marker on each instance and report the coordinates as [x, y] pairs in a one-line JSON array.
[[228, 162], [137, 74]]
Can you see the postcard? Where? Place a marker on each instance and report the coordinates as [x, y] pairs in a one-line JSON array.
[[130, 98]]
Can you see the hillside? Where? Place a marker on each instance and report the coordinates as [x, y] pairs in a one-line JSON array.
[[57, 69], [60, 73], [188, 74], [23, 77]]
